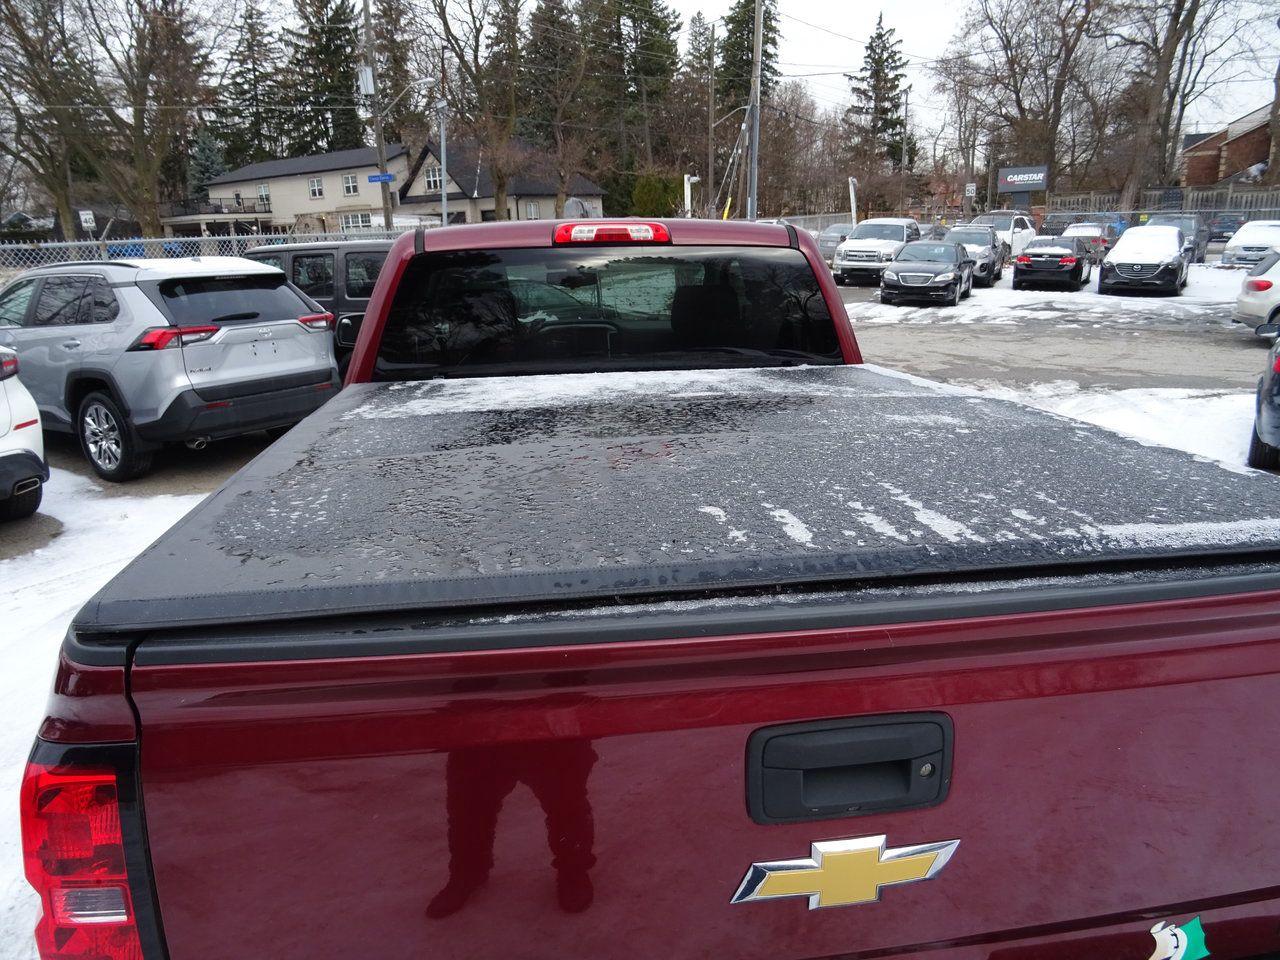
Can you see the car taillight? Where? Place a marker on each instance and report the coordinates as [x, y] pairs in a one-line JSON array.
[[1023, 258], [623, 232], [1067, 261], [317, 321], [74, 854], [1257, 285], [8, 367], [1275, 367], [161, 338]]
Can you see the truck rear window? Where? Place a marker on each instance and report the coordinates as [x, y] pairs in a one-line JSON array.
[[249, 299], [501, 312]]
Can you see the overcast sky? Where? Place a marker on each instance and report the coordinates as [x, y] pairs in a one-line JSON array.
[[822, 40]]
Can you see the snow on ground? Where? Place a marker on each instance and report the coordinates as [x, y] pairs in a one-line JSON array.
[[1211, 291], [41, 592]]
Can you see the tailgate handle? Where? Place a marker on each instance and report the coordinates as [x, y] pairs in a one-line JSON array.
[[847, 768]]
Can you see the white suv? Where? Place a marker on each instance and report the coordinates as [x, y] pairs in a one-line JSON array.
[[870, 245], [23, 471], [1013, 227]]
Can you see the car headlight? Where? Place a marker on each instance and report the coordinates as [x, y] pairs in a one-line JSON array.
[[886, 257], [944, 278], [890, 275]]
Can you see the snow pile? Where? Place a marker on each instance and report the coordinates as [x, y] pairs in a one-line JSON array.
[[42, 592], [1214, 424]]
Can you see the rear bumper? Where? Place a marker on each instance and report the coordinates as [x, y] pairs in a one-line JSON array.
[[18, 469], [191, 415], [1055, 277], [1248, 318]]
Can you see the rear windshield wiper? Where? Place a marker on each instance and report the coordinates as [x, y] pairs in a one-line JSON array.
[[228, 317]]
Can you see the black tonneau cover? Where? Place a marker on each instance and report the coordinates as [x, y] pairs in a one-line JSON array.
[[509, 491]]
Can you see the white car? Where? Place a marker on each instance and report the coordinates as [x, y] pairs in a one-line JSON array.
[[1251, 243], [1013, 227], [1259, 298], [870, 245], [23, 471]]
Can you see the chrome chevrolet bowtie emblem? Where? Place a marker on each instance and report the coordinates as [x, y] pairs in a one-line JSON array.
[[844, 872]]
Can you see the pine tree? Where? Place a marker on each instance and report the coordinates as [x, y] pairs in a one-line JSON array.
[[324, 55], [250, 126], [206, 163], [650, 56], [697, 57], [874, 123], [738, 50], [395, 76]]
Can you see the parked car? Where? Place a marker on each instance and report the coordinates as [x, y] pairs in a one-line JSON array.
[[650, 662], [1099, 238], [23, 471], [1053, 261], [131, 354], [1055, 223], [339, 275], [1224, 225], [1258, 303], [1146, 258], [831, 237], [1012, 226], [871, 245], [1195, 232], [986, 250], [1251, 243], [931, 270], [933, 231]]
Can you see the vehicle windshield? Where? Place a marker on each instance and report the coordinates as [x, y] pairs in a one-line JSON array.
[[1257, 233], [1083, 230], [1147, 244], [260, 298], [837, 231], [879, 231], [930, 252], [470, 313], [971, 237], [1002, 221], [1056, 244], [1185, 224]]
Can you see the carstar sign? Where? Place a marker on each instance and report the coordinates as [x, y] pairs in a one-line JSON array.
[[1023, 179]]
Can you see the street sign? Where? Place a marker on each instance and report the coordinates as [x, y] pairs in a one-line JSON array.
[[88, 221], [971, 190], [381, 177]]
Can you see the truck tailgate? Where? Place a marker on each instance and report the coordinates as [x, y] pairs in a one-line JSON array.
[[1110, 769]]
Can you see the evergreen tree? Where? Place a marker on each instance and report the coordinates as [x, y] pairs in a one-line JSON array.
[[738, 50], [697, 57], [206, 163], [324, 56], [874, 123], [650, 56], [251, 125], [390, 32]]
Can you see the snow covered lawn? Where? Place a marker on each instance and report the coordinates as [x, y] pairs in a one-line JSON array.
[[101, 532], [1211, 291]]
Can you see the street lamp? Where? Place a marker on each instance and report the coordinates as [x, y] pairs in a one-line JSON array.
[[689, 181]]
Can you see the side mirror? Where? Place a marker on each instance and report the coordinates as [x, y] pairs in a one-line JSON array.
[[348, 329], [1267, 329]]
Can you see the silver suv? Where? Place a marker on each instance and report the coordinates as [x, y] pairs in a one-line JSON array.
[[132, 354]]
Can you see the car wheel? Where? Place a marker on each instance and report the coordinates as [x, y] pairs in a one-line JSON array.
[[968, 288], [954, 299], [840, 281], [108, 441], [21, 506], [1262, 455]]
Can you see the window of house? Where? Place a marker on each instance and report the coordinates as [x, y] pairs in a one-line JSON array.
[[431, 179], [350, 185], [357, 221], [316, 186], [264, 193], [533, 210], [239, 199]]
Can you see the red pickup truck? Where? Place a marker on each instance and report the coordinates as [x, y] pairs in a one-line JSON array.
[[616, 609]]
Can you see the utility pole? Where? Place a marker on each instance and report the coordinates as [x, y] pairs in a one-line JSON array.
[[753, 144], [441, 106], [902, 148], [370, 54], [711, 123]]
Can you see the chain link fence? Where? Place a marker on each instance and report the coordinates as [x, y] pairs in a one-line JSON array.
[[16, 257]]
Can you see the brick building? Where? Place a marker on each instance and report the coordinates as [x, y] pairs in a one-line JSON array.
[[1212, 158]]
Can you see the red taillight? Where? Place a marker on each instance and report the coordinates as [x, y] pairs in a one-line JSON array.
[[1275, 367], [8, 367], [1023, 258], [1257, 285], [317, 321], [1067, 261], [161, 338], [73, 849], [623, 232]]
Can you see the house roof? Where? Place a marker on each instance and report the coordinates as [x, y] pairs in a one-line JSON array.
[[315, 163], [469, 169]]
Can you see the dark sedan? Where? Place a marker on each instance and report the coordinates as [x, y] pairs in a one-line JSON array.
[[1053, 261], [1224, 225], [939, 272], [1195, 232]]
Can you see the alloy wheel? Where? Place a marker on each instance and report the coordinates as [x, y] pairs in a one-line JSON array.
[[102, 436]]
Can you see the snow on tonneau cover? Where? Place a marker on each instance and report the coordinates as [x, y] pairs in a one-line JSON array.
[[506, 491]]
